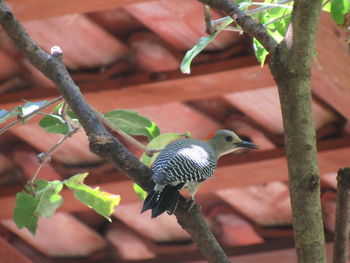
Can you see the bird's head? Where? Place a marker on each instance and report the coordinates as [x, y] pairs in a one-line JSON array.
[[225, 141]]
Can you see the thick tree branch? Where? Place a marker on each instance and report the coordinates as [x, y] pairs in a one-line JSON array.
[[208, 246], [291, 67], [342, 223], [101, 142], [249, 26]]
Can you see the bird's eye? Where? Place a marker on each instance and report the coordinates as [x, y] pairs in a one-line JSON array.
[[229, 138]]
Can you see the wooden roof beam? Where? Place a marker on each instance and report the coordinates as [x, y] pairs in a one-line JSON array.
[[331, 76], [38, 9], [233, 171], [143, 89], [10, 254]]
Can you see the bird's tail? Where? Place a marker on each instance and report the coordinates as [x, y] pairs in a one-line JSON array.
[[161, 201]]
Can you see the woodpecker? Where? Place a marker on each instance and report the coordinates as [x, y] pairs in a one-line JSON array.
[[185, 164]]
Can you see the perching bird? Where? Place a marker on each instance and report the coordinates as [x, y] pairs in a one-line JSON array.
[[185, 164]]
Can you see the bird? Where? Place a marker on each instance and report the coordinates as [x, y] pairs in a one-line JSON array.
[[185, 164]]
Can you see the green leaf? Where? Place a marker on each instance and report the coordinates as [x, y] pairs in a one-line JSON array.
[[276, 20], [282, 26], [29, 107], [243, 4], [24, 213], [327, 6], [58, 110], [158, 143], [49, 198], [102, 202], [203, 42], [132, 123], [42, 203], [260, 52], [54, 123], [273, 13], [338, 9], [5, 115], [140, 192]]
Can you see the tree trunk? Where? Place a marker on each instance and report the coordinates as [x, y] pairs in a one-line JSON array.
[[291, 67], [342, 219]]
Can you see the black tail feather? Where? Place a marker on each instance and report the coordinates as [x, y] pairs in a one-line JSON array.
[[150, 201], [165, 200]]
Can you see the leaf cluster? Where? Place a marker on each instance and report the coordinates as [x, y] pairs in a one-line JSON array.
[[55, 122], [273, 15], [43, 198]]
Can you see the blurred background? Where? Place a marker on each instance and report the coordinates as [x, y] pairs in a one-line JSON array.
[[126, 54]]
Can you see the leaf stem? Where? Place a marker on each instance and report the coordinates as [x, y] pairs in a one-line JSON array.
[[233, 29], [68, 121], [209, 23], [259, 9], [274, 20], [325, 3], [270, 5], [45, 157]]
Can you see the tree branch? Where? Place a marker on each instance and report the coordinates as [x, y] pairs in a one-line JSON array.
[[290, 65], [249, 26], [101, 142], [342, 223]]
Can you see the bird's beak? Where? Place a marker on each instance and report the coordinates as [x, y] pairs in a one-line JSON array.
[[248, 145]]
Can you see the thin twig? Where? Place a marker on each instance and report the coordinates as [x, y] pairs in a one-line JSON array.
[[253, 11], [67, 119], [233, 29], [209, 23], [45, 157], [272, 5], [20, 119], [259, 9], [275, 20], [342, 221], [221, 19], [325, 3], [246, 22]]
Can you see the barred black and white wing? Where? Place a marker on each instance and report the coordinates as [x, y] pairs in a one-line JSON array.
[[184, 161]]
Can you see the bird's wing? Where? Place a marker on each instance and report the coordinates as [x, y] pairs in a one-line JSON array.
[[190, 163]]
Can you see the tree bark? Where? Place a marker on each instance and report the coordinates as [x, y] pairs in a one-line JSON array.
[[248, 24], [342, 223], [291, 67]]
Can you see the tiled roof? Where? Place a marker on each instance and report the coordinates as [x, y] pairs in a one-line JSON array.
[[126, 54]]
